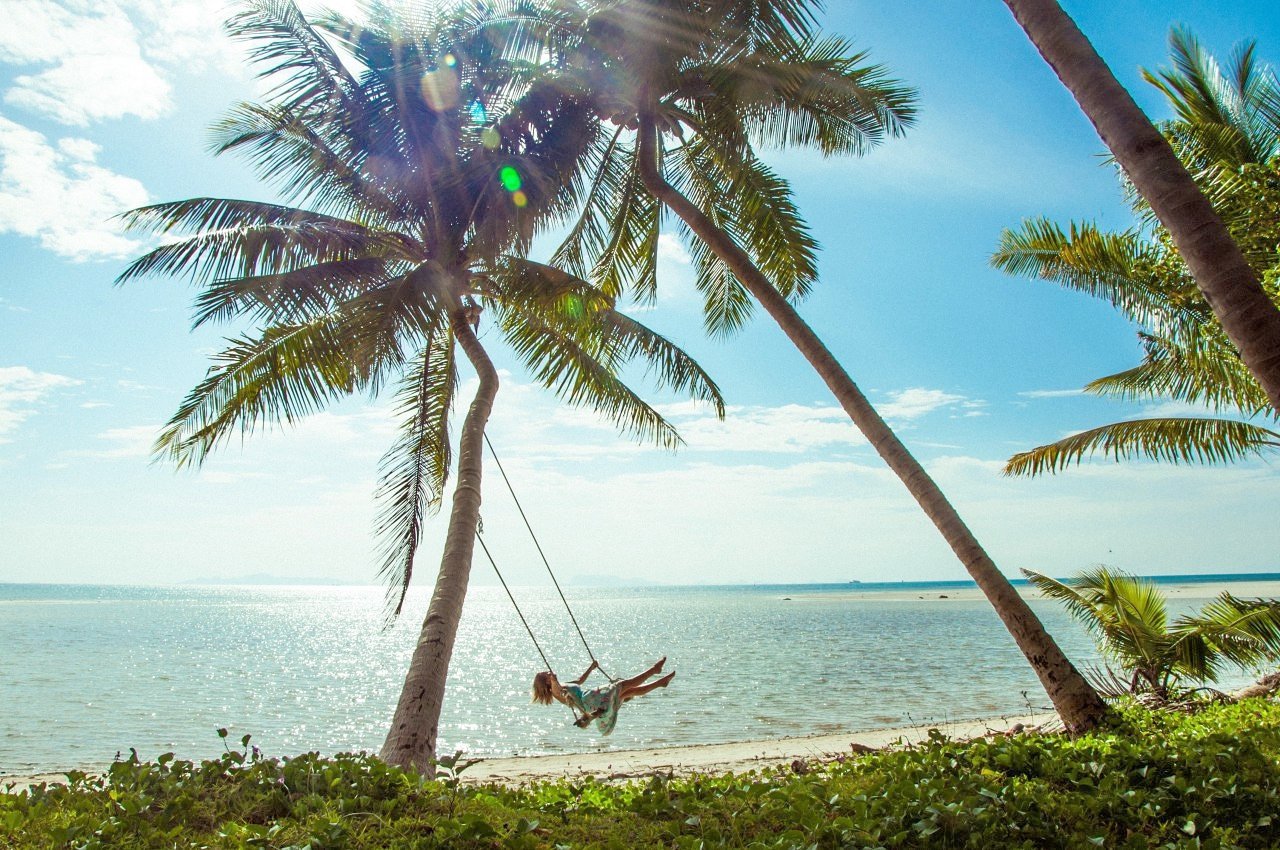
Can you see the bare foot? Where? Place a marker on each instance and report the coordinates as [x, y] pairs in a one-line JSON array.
[[657, 668], [665, 680]]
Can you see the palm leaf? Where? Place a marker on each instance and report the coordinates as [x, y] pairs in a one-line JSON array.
[[1194, 369], [287, 372], [1169, 439], [1117, 267], [292, 296], [245, 238], [414, 471]]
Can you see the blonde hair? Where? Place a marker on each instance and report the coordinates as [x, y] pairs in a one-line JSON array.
[[542, 687]]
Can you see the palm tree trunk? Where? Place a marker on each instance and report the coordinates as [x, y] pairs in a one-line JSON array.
[[1231, 287], [411, 742], [1076, 702]]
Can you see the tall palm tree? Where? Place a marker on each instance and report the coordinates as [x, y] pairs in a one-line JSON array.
[[1129, 619], [417, 166], [688, 88], [1227, 131], [1230, 285]]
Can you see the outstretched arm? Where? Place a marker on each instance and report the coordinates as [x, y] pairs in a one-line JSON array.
[[583, 677]]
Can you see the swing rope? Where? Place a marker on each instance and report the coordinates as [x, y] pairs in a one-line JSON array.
[[520, 613], [480, 538], [545, 563]]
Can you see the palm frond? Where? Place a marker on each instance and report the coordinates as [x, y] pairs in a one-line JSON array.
[[414, 471], [309, 75], [1243, 632], [1195, 369], [557, 359], [817, 94], [1167, 439], [246, 238], [293, 296], [287, 372], [1117, 267], [288, 150]]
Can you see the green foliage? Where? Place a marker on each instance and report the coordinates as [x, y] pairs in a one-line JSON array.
[[1129, 619], [1227, 133], [1211, 780]]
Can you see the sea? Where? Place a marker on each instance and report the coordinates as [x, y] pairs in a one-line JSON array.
[[89, 672]]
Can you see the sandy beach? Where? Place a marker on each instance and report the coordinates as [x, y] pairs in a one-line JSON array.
[[1188, 590], [736, 757]]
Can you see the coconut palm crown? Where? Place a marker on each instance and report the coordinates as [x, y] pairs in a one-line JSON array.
[[1130, 621], [1227, 132], [426, 167]]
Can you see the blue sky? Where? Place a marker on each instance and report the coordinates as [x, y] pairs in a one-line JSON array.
[[105, 105]]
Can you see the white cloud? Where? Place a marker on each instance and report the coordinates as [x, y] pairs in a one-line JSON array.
[[94, 65], [918, 401], [92, 60], [20, 389], [671, 250], [60, 196]]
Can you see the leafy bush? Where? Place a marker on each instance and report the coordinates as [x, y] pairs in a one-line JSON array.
[[1210, 780]]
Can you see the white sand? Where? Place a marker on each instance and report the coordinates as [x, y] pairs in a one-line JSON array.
[[698, 758], [1189, 590], [723, 758]]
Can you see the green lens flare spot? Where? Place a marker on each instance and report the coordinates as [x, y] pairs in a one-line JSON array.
[[510, 179], [573, 306]]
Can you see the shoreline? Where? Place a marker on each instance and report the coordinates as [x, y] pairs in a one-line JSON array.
[[683, 760]]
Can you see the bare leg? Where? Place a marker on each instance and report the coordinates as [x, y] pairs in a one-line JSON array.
[[641, 690], [635, 681]]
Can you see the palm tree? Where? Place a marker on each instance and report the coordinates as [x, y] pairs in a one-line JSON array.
[[1228, 133], [417, 171], [1129, 619], [1230, 285], [686, 89]]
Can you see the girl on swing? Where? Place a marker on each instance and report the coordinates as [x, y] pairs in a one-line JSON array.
[[598, 704]]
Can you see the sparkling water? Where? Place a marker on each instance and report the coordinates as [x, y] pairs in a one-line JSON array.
[[90, 671]]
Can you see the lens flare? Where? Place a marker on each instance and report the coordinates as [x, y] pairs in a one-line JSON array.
[[573, 306], [477, 112], [450, 60], [490, 138], [510, 178], [519, 198], [440, 89]]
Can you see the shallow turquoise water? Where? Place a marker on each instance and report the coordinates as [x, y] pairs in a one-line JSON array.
[[87, 672]]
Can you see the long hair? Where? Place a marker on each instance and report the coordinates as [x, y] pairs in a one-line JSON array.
[[542, 687]]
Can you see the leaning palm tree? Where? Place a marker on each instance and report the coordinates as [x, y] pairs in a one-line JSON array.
[[1227, 131], [1229, 284], [687, 90], [417, 167], [1129, 619]]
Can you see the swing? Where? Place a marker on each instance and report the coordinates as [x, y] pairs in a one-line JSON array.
[[581, 720]]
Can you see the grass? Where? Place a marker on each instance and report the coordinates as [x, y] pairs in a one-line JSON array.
[[1211, 780]]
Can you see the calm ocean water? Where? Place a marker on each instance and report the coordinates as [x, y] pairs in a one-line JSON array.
[[89, 671]]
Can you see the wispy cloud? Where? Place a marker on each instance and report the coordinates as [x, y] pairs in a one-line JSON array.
[[916, 402], [87, 62], [59, 195], [1050, 393], [21, 389]]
